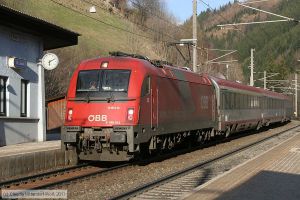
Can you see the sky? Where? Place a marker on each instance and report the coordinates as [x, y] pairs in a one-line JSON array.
[[183, 9]]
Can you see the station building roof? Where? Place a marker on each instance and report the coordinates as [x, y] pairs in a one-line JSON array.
[[53, 36]]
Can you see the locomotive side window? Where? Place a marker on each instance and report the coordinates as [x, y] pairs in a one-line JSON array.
[[146, 86]]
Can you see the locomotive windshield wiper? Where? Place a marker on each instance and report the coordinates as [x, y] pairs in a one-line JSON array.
[[87, 97], [111, 98]]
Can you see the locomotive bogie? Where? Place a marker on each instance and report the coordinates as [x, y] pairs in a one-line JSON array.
[[104, 144]]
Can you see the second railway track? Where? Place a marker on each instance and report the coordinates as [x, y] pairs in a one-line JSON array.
[[176, 184]]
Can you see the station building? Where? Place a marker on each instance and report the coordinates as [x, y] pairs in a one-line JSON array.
[[23, 39]]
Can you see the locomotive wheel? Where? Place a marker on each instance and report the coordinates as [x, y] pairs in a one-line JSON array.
[[144, 150], [202, 137], [207, 135], [227, 132]]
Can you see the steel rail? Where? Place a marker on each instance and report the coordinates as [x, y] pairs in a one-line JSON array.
[[68, 180], [44, 176], [175, 175], [6, 183]]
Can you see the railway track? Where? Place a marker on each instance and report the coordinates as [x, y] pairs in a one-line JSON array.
[[176, 184], [58, 177]]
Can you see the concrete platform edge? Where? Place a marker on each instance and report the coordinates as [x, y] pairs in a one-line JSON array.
[[33, 162]]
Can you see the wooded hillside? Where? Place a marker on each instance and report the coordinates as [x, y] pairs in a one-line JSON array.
[[276, 44]]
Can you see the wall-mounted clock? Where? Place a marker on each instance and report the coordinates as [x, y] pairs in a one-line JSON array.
[[50, 61]]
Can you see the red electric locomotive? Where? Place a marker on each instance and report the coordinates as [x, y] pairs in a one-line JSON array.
[[123, 105]]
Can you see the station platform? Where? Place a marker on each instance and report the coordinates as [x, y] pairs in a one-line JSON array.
[[30, 147], [28, 158], [274, 175]]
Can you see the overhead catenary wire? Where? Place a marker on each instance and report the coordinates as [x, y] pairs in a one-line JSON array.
[[224, 18]]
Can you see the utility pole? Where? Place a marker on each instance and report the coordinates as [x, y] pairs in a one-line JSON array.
[[265, 80], [296, 94], [227, 71], [252, 68], [195, 35]]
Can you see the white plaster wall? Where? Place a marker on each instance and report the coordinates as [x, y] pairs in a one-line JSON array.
[[13, 128]]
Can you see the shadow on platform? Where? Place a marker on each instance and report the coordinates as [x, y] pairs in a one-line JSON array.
[[267, 185]]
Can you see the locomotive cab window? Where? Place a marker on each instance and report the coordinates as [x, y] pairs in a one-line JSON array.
[[102, 83], [88, 80]]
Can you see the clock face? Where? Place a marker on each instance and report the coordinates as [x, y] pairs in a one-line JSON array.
[[50, 61]]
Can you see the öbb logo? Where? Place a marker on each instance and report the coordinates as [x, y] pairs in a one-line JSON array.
[[97, 118]]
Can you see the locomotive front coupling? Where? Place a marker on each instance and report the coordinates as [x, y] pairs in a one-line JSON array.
[[103, 142]]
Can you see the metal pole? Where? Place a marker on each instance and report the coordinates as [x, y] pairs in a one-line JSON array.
[[296, 95], [227, 71], [265, 80], [252, 67], [195, 35]]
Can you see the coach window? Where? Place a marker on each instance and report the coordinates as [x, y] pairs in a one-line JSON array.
[[24, 84], [146, 86], [248, 102], [237, 101], [238, 98], [233, 103], [3, 81], [223, 100], [226, 101], [244, 101]]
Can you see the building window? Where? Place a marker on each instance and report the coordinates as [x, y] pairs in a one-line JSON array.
[[3, 95], [24, 85]]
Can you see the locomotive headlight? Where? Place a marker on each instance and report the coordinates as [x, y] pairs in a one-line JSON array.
[[104, 64], [70, 114], [130, 113]]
